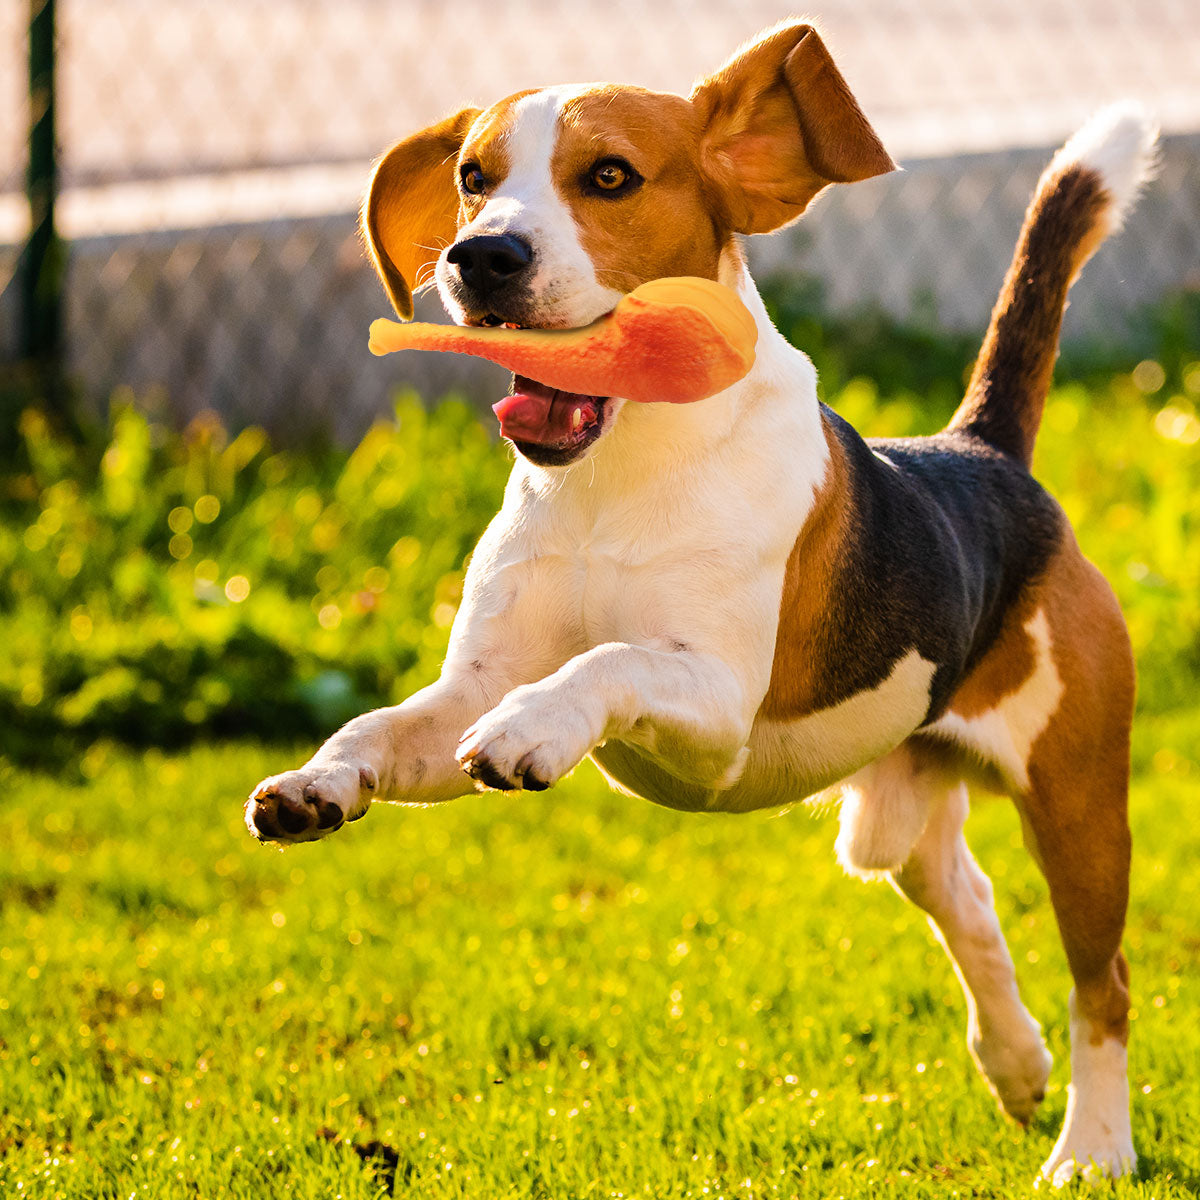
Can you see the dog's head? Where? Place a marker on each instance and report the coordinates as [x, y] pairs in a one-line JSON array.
[[543, 210]]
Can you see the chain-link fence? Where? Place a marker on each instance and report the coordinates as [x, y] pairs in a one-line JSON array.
[[213, 154]]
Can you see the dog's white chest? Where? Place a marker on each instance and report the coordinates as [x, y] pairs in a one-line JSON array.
[[624, 601]]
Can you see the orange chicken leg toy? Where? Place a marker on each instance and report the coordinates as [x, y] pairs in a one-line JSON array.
[[673, 340]]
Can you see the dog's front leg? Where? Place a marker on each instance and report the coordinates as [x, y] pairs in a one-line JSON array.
[[686, 709], [401, 753], [501, 639]]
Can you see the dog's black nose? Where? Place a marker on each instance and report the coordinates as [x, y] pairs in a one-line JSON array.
[[487, 263]]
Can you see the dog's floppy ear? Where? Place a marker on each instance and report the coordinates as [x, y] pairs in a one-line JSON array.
[[779, 124], [411, 209]]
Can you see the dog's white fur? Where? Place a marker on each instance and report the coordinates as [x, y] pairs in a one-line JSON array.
[[1121, 143], [1004, 736], [625, 606]]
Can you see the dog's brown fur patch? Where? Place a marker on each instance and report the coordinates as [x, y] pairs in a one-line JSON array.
[[798, 673], [1009, 662], [625, 235], [1076, 809]]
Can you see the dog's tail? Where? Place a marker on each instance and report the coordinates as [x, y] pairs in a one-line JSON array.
[[1082, 197]]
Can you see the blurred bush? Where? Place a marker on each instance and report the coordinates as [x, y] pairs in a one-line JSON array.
[[920, 356], [157, 586]]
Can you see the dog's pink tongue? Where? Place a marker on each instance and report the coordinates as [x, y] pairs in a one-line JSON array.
[[525, 415], [536, 413]]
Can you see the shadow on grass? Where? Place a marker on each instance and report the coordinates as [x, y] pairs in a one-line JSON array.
[[382, 1160]]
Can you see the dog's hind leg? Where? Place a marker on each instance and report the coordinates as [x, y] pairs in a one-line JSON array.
[[1076, 824], [941, 876]]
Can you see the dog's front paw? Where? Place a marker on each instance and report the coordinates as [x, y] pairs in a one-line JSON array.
[[527, 741], [311, 803]]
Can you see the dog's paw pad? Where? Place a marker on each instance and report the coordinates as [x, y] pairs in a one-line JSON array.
[[531, 781], [481, 767], [305, 805]]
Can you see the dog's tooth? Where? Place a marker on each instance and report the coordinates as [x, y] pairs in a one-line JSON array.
[[576, 420]]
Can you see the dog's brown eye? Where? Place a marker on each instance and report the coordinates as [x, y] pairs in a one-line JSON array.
[[611, 176], [473, 181]]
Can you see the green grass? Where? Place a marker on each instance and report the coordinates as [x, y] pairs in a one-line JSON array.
[[566, 995]]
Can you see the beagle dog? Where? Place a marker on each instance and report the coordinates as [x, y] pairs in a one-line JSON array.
[[739, 603]]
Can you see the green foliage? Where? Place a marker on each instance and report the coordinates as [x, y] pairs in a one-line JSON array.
[[156, 586], [519, 996], [918, 355], [914, 357], [1129, 479]]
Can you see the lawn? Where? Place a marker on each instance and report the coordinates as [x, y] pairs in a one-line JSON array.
[[563, 995], [569, 994]]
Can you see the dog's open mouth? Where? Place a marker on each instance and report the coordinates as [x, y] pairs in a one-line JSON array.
[[548, 426], [549, 422]]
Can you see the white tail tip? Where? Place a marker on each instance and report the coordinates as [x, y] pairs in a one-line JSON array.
[[1121, 144]]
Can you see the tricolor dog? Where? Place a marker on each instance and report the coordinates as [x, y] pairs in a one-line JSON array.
[[738, 603]]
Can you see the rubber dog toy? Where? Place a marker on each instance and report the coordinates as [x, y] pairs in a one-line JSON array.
[[674, 340]]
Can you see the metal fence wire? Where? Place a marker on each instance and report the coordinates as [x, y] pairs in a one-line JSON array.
[[212, 156]]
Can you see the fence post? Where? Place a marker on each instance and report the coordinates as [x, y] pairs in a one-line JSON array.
[[44, 261]]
